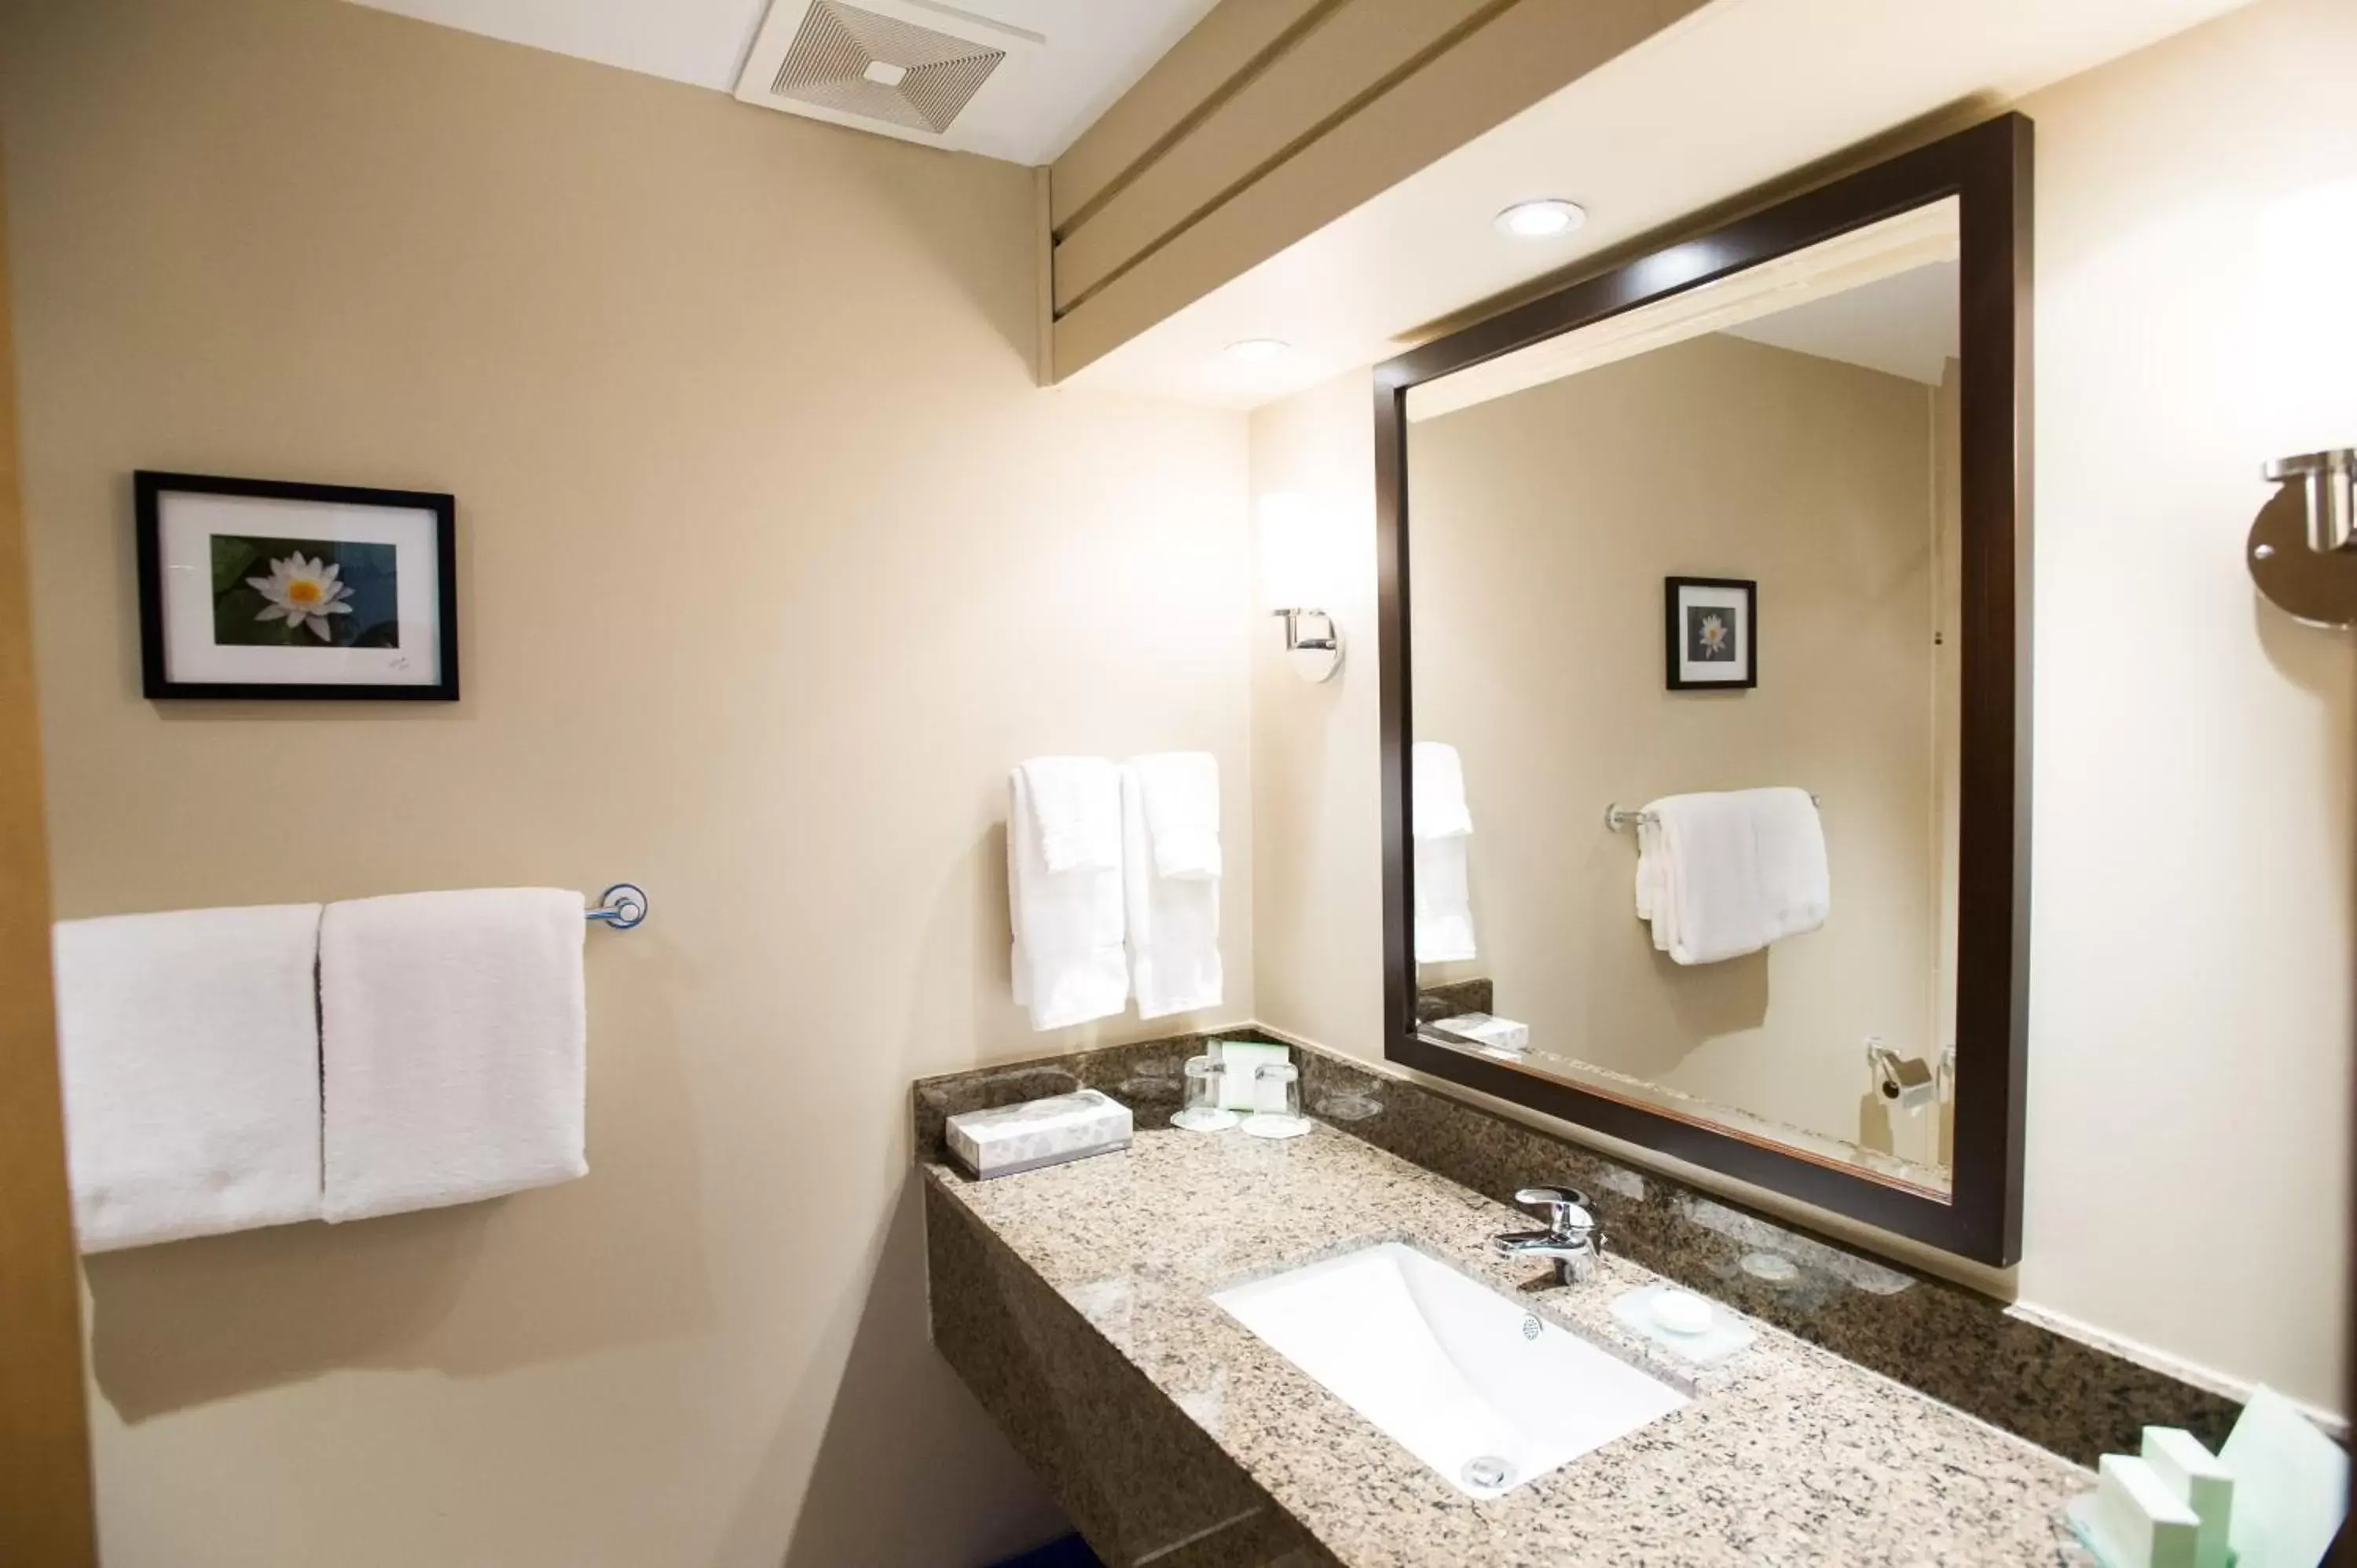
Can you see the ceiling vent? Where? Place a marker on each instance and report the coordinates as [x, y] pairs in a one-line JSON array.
[[901, 68]]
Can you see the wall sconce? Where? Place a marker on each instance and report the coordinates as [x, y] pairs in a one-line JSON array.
[[1300, 546], [2303, 544]]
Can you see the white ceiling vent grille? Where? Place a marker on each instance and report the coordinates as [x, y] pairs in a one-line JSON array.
[[898, 67]]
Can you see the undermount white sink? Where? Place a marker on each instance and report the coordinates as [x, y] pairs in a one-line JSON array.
[[1483, 1391]]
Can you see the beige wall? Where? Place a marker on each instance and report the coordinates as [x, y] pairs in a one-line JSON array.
[[774, 559], [2190, 1007], [1546, 522]]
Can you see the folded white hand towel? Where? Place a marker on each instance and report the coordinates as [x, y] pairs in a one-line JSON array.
[[453, 1042], [1067, 961], [1438, 777], [1181, 790], [189, 1046], [1795, 886], [1174, 920], [1076, 809], [1444, 902], [1722, 874], [1650, 871], [1708, 892], [1442, 829]]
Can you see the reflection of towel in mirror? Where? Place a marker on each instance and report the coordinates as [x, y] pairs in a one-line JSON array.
[[1723, 875], [1443, 836]]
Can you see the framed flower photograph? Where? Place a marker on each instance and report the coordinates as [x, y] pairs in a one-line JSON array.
[[1710, 633], [264, 588]]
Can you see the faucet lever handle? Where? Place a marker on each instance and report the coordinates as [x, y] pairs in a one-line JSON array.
[[1566, 1208]]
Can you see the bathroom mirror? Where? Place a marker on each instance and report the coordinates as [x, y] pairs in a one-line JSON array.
[[1705, 664]]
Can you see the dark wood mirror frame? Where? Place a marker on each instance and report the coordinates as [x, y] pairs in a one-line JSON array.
[[1989, 169]]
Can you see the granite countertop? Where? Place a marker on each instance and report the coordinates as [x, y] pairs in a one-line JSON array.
[[1787, 1455]]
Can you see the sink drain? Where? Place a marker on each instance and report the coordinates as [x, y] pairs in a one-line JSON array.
[[1487, 1472]]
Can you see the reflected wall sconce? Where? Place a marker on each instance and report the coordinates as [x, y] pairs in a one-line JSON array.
[[2303, 545], [1301, 548]]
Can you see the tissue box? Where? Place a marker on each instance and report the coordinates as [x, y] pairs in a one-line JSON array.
[[1501, 1034], [1040, 1132]]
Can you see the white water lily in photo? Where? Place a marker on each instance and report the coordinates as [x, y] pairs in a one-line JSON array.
[[304, 593]]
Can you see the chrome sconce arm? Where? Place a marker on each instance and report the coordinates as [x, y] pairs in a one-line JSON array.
[[2302, 549], [2328, 479], [1313, 642]]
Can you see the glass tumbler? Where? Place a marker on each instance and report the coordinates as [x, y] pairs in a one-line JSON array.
[[1277, 1104], [1203, 1113]]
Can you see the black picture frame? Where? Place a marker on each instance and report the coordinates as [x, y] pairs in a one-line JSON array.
[[1674, 626], [149, 488], [1989, 169]]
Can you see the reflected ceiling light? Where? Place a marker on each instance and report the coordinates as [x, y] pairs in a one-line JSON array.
[[1258, 350], [1541, 219]]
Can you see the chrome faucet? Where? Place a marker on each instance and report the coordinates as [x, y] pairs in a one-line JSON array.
[[1571, 1240]]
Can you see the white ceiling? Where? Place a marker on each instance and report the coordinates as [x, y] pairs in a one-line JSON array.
[[1738, 94], [1909, 325], [1096, 48]]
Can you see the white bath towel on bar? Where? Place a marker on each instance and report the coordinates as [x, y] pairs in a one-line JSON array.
[[1795, 885], [1443, 839], [1725, 873], [1067, 961], [189, 1046], [1179, 793], [453, 1046], [1437, 775], [1174, 920]]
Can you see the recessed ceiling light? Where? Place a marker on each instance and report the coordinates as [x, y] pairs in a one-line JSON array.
[[1541, 219], [1258, 350]]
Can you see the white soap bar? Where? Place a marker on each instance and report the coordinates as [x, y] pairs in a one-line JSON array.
[[1488, 1029], [1722, 1334], [1682, 1312], [1040, 1132], [2201, 1481], [2143, 1524]]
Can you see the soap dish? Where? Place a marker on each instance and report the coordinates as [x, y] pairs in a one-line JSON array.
[[1722, 1335]]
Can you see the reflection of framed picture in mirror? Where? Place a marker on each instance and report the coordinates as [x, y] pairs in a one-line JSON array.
[[1710, 633]]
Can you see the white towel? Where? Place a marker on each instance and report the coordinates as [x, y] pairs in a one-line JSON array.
[[1181, 790], [1443, 835], [1795, 885], [1722, 874], [1068, 960], [1437, 776], [189, 1046], [1174, 919], [453, 1035], [1076, 808]]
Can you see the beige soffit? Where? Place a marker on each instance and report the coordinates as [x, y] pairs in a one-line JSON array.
[[1295, 117], [1920, 238]]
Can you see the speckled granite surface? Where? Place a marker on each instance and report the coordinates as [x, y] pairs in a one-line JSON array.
[[1788, 1454], [1451, 998], [1953, 1344]]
